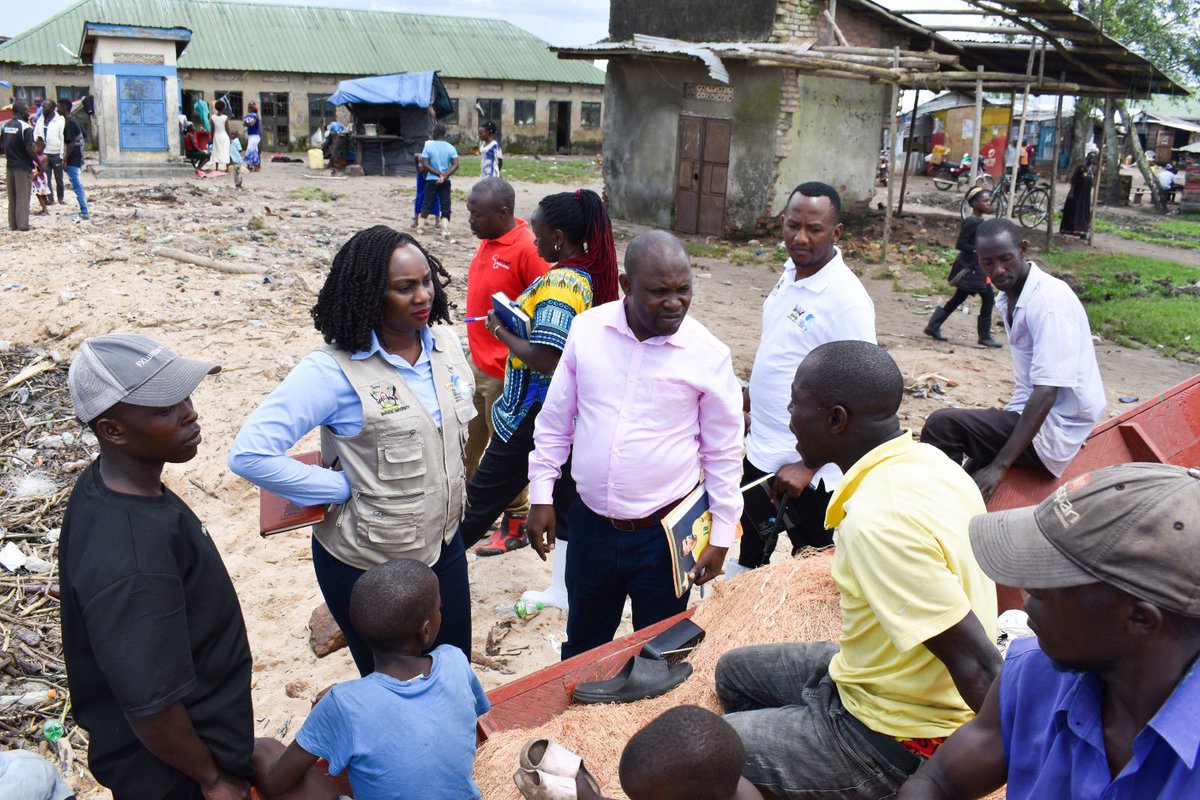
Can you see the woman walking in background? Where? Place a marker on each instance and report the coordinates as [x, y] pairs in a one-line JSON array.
[[967, 277], [572, 231], [220, 130], [392, 397], [253, 123], [491, 158], [1077, 212]]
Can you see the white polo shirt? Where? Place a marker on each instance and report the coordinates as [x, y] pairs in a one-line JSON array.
[[799, 315], [1051, 345]]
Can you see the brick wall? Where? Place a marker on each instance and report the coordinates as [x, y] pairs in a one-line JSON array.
[[789, 97], [796, 20]]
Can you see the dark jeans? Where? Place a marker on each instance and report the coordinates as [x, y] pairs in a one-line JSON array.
[[337, 579], [420, 198], [606, 565], [975, 433], [804, 518], [55, 178], [987, 299], [435, 193], [801, 742], [502, 474]]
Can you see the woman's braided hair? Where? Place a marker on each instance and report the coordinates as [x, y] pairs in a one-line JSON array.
[[350, 305], [581, 216]]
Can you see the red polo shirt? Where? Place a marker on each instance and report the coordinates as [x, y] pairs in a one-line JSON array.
[[508, 264]]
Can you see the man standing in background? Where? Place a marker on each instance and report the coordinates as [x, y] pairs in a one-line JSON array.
[[50, 130], [16, 140]]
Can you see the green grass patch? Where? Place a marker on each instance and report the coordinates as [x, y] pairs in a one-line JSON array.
[[1167, 233], [1135, 298], [737, 254], [531, 170], [312, 193]]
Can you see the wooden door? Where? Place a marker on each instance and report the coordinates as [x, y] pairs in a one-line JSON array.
[[702, 175]]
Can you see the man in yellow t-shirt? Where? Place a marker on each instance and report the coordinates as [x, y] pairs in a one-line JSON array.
[[916, 655]]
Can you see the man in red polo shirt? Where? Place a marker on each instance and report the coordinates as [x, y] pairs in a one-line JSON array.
[[506, 261]]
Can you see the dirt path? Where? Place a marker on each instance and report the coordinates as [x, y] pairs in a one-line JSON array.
[[68, 281]]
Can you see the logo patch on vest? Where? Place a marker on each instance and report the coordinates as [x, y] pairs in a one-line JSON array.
[[459, 386], [385, 395]]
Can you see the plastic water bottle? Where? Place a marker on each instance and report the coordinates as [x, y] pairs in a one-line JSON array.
[[525, 609], [28, 699]]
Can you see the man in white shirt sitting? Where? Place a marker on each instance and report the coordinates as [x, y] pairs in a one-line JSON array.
[[1058, 397], [1168, 181], [816, 300]]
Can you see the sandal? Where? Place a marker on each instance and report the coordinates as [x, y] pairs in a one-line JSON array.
[[639, 679], [549, 772]]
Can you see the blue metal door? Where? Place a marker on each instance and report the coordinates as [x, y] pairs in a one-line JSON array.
[[142, 112]]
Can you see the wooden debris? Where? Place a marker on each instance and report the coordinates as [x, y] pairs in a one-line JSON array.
[[204, 261]]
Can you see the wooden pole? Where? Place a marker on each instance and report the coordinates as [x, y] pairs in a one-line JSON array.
[[975, 166], [1054, 171], [1012, 186], [887, 218], [912, 129], [1091, 236]]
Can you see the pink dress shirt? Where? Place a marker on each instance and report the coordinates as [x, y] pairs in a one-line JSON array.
[[644, 418]]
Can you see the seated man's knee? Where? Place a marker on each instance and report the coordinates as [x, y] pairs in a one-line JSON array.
[[939, 426]]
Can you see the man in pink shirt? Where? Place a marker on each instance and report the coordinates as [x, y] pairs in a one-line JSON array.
[[506, 261], [643, 400]]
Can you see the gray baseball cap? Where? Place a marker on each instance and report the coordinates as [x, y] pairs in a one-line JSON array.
[[127, 368], [1133, 526]]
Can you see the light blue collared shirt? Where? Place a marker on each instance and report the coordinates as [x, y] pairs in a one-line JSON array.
[[317, 393]]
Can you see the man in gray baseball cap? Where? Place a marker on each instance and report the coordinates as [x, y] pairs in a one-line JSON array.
[[127, 368], [153, 635], [1104, 701]]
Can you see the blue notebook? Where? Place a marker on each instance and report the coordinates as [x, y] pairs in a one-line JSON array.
[[510, 314]]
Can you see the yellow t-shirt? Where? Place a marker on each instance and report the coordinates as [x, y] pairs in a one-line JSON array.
[[905, 571]]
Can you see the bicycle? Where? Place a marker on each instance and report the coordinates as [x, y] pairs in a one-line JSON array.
[[1032, 202], [949, 176]]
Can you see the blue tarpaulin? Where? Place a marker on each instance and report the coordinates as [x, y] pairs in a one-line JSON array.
[[407, 89]]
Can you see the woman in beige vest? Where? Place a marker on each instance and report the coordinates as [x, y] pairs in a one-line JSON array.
[[392, 398]]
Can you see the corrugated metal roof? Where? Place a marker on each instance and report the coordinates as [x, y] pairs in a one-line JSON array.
[[231, 36]]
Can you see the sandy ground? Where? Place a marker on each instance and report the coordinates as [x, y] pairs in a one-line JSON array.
[[66, 281]]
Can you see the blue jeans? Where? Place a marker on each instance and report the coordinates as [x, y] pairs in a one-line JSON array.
[[77, 187], [604, 566], [337, 580], [801, 742]]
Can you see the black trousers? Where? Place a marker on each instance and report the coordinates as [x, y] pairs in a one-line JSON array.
[[502, 474], [56, 175], [337, 580], [975, 433], [804, 518], [434, 192], [987, 297]]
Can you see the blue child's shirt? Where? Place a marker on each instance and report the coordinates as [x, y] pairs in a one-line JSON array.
[[402, 739], [440, 153]]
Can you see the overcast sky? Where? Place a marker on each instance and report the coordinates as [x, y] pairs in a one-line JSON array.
[[573, 22]]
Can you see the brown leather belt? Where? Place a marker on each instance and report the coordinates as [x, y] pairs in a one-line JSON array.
[[628, 525]]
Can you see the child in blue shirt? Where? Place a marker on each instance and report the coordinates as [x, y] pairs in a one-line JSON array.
[[405, 730]]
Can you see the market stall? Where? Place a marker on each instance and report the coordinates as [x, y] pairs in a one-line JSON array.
[[393, 115]]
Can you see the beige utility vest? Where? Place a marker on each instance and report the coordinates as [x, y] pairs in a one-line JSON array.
[[407, 478]]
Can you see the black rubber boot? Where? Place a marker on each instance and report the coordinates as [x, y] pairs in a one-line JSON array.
[[934, 328], [985, 332]]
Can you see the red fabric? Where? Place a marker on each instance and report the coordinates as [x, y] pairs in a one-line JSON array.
[[923, 747], [508, 264]]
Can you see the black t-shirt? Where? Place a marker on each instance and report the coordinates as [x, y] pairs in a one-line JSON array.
[[16, 140], [150, 618], [73, 132]]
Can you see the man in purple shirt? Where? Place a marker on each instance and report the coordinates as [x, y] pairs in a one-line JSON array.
[[644, 399], [1103, 703]]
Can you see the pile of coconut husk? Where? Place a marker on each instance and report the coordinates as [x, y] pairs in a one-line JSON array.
[[794, 600], [42, 449]]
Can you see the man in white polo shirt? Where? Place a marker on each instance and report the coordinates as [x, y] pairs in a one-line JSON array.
[[816, 300], [1058, 397]]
